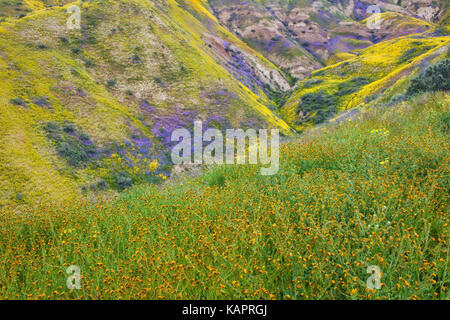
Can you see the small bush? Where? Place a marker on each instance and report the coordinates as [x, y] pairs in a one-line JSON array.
[[42, 101], [396, 98], [19, 196], [321, 102], [123, 180], [84, 137], [89, 63], [70, 143], [158, 80], [19, 102], [136, 58], [73, 152], [51, 127], [76, 50], [68, 127], [312, 82], [74, 72], [99, 185], [111, 83], [435, 77], [42, 46], [352, 85]]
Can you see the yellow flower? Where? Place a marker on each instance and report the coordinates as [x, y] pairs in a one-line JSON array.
[[153, 165]]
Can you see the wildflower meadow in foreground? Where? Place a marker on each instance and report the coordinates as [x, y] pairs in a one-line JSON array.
[[371, 192]]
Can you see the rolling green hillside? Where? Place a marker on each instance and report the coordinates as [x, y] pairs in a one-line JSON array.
[[135, 71], [86, 179], [373, 191], [376, 73], [88, 113]]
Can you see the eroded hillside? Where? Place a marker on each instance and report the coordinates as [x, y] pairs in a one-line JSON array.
[[92, 109], [89, 111], [301, 35]]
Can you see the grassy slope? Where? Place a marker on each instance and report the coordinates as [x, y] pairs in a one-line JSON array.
[[386, 66], [178, 72], [373, 191], [393, 26]]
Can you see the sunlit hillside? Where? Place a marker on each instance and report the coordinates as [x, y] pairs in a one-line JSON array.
[[94, 206], [373, 191], [72, 99], [376, 73]]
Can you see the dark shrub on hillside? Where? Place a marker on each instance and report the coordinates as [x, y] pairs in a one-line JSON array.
[[68, 127], [42, 101], [89, 63], [416, 86], [84, 138], [52, 129], [76, 50], [111, 82], [136, 58], [70, 143], [321, 103], [435, 77], [123, 181], [312, 82], [317, 100], [352, 85], [158, 80], [99, 185], [19, 196], [18, 102], [396, 98], [320, 116], [42, 46], [73, 152]]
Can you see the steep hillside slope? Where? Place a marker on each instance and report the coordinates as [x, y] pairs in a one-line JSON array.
[[83, 110], [267, 33], [373, 74], [89, 111], [301, 35], [374, 191]]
